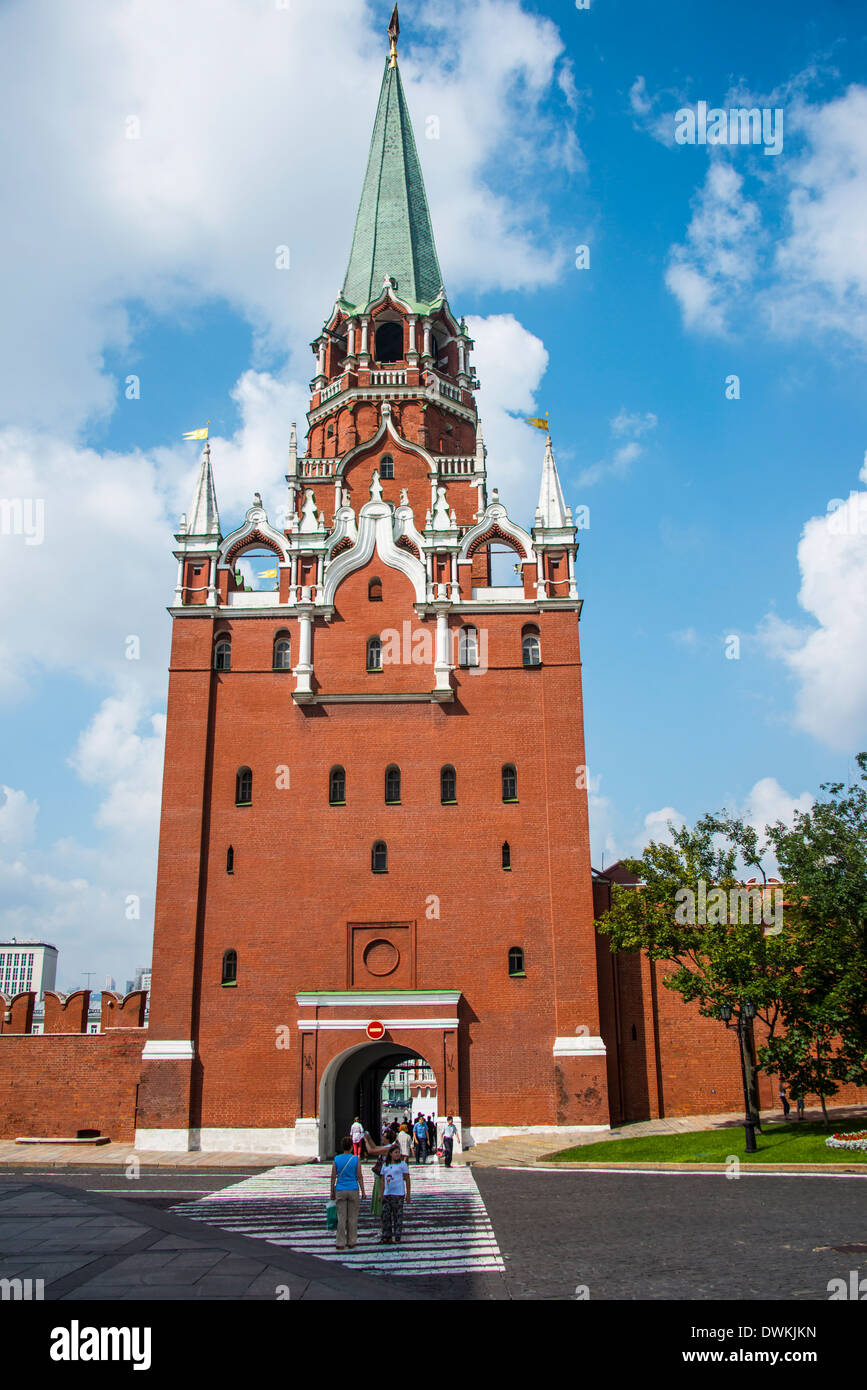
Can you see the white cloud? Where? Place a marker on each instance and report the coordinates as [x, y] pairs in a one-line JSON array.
[[719, 256], [767, 802], [793, 254], [829, 661], [630, 427], [655, 114], [17, 818], [657, 826], [511, 363], [127, 765]]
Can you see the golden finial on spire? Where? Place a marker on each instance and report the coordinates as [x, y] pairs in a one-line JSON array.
[[393, 31]]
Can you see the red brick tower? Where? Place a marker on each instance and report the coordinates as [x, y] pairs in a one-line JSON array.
[[373, 807]]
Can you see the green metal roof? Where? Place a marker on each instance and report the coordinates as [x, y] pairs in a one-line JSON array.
[[393, 233]]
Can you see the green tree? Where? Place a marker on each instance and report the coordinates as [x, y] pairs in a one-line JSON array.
[[807, 981]]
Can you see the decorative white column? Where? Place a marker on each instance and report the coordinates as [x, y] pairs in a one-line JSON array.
[[426, 342], [365, 335], [462, 357], [212, 582], [412, 320], [303, 692], [350, 338], [573, 588], [179, 587], [321, 361], [541, 585], [443, 689]]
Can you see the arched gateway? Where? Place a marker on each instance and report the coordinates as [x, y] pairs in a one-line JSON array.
[[351, 1085]]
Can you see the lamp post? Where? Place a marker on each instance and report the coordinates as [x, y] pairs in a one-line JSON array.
[[748, 1011]]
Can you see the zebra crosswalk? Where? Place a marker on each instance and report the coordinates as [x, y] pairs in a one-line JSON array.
[[446, 1229]]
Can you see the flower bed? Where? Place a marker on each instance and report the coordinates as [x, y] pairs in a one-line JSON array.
[[858, 1140]]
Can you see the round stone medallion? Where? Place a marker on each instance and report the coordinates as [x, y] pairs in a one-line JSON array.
[[381, 957]]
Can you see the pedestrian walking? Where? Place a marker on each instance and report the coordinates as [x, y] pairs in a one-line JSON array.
[[798, 1098], [347, 1189], [419, 1140], [396, 1191], [450, 1133], [404, 1142], [784, 1101], [356, 1133], [431, 1135]]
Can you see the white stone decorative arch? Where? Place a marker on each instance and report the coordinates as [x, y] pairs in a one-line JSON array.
[[256, 528], [497, 518], [345, 529], [375, 533]]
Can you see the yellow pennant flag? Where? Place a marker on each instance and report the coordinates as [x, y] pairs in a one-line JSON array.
[[198, 434], [267, 574], [540, 424]]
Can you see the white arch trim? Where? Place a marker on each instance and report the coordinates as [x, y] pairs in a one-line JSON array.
[[255, 520], [496, 515], [375, 533]]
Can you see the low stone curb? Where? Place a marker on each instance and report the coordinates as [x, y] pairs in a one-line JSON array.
[[548, 1163]]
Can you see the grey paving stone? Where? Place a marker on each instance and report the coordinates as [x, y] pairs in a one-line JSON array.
[[177, 1243], [240, 1265], [233, 1285]]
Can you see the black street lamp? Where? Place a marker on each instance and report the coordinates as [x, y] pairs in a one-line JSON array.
[[748, 1011]]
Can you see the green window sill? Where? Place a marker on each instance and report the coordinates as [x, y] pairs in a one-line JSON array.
[[379, 871], [449, 803], [229, 984], [243, 803], [337, 803], [374, 670], [517, 974]]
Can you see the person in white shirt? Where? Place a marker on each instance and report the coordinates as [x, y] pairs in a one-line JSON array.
[[395, 1191], [356, 1134], [450, 1131]]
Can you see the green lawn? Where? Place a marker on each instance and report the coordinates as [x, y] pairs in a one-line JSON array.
[[779, 1143]]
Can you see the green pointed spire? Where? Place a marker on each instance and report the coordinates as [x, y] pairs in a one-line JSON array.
[[393, 233]]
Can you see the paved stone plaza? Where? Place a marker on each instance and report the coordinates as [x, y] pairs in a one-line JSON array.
[[526, 1234]]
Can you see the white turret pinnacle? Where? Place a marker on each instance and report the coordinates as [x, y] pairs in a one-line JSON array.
[[552, 505], [204, 519]]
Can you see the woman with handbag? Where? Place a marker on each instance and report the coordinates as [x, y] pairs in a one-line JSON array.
[[347, 1189]]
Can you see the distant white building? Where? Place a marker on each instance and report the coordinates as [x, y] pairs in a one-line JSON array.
[[26, 965], [410, 1087]]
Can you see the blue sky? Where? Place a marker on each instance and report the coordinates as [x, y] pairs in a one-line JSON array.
[[154, 256]]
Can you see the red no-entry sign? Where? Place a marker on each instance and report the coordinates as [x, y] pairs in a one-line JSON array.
[[375, 1030]]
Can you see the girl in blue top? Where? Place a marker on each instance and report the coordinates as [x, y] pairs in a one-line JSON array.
[[347, 1189]]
